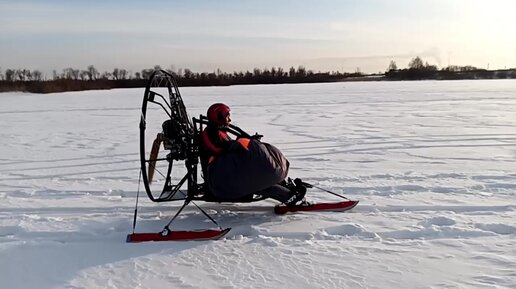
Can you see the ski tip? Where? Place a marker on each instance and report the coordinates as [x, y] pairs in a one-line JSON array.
[[355, 202], [336, 207]]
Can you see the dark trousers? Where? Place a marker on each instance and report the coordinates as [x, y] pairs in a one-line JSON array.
[[276, 192]]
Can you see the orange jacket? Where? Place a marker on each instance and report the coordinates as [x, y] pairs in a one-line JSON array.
[[213, 143]]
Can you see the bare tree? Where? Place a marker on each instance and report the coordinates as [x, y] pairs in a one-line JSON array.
[[280, 72], [452, 68], [93, 73], [392, 66], [70, 73], [37, 75], [188, 73], [122, 73], [301, 71], [273, 71], [22, 74], [9, 75], [106, 75], [116, 74], [292, 72], [84, 75], [430, 67], [468, 68], [146, 73], [416, 63]]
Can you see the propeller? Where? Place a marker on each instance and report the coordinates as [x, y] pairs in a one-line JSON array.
[[154, 155]]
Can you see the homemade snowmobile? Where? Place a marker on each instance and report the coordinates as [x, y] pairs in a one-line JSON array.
[[165, 144]]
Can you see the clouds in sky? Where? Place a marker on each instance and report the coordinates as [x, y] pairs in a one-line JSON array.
[[241, 35]]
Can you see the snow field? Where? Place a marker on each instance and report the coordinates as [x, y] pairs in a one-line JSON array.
[[432, 163]]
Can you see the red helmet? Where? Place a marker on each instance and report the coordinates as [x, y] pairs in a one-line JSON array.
[[217, 114]]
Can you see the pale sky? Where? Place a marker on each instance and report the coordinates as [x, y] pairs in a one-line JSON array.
[[240, 35]]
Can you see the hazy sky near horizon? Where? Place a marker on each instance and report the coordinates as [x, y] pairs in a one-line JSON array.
[[240, 35]]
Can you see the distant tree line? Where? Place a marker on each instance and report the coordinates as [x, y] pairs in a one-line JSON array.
[[419, 70], [70, 79]]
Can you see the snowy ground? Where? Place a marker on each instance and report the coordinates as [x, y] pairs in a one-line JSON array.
[[432, 163]]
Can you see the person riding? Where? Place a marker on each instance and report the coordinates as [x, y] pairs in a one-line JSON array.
[[216, 144], [214, 139]]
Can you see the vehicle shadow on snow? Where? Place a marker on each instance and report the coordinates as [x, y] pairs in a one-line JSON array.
[[246, 220], [58, 248], [83, 242], [241, 218]]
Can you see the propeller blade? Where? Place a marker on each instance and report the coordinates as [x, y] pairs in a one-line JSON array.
[[154, 155]]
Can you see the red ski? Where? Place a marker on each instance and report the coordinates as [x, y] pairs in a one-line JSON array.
[[339, 206], [177, 236]]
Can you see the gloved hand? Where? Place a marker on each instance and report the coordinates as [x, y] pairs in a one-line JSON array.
[[257, 136]]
